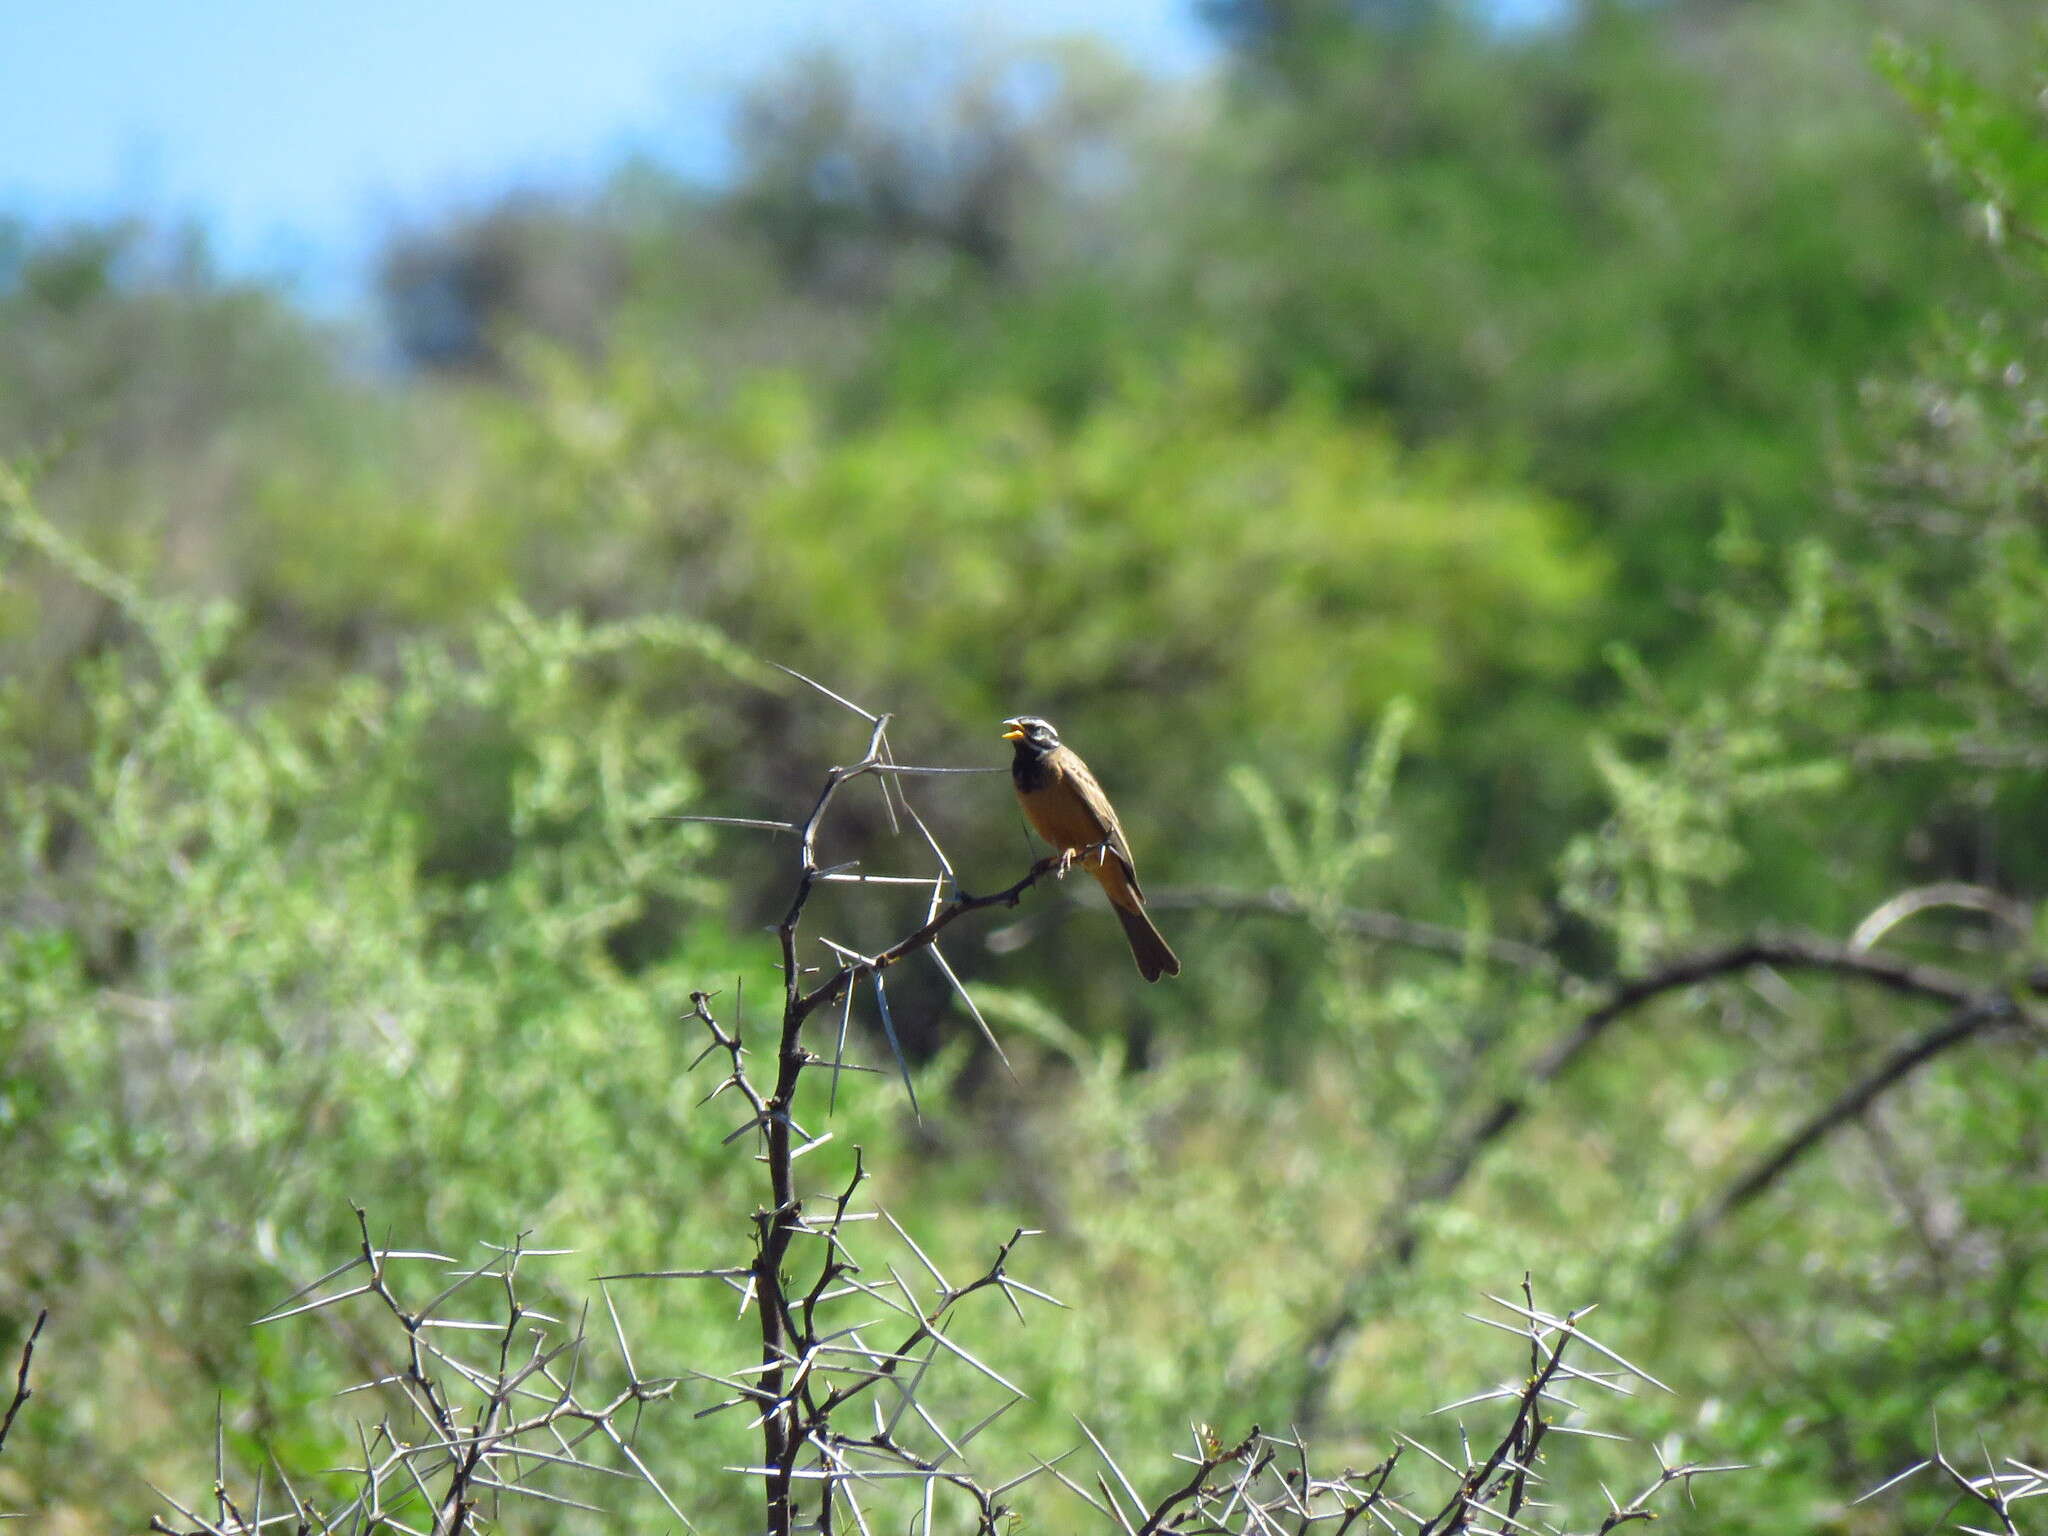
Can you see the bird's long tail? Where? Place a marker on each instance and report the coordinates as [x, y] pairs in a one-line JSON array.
[[1154, 958]]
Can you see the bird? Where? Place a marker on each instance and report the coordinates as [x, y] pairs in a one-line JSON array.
[[1066, 806]]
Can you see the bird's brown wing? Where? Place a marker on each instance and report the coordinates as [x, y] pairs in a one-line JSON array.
[[1069, 810], [1108, 828]]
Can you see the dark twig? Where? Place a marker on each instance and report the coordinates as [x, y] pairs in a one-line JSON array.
[[1624, 998], [1380, 927], [922, 938], [1400, 1231], [1162, 1512], [1960, 1026], [22, 1391]]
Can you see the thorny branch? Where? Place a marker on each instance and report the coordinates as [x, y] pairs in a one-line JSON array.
[[467, 1434], [1264, 1483], [1996, 1490], [795, 1418], [810, 1370]]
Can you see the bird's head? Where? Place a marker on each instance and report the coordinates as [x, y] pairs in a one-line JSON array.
[[1032, 735]]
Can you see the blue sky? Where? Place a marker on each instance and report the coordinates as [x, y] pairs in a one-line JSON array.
[[295, 130]]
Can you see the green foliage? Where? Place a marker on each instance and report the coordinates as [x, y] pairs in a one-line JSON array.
[[1725, 764], [242, 988], [1280, 572], [1995, 145], [1651, 273], [1340, 837]]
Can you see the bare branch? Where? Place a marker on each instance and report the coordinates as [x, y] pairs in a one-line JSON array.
[[22, 1391], [1965, 1024], [1400, 1231], [1380, 927]]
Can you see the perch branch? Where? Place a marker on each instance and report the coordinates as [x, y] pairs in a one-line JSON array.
[[1366, 923]]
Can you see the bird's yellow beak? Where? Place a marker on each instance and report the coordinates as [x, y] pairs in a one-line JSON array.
[[1015, 731]]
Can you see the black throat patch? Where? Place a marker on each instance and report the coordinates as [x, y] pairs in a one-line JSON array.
[[1029, 769]]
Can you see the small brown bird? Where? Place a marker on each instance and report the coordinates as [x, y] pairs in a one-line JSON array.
[[1068, 809]]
